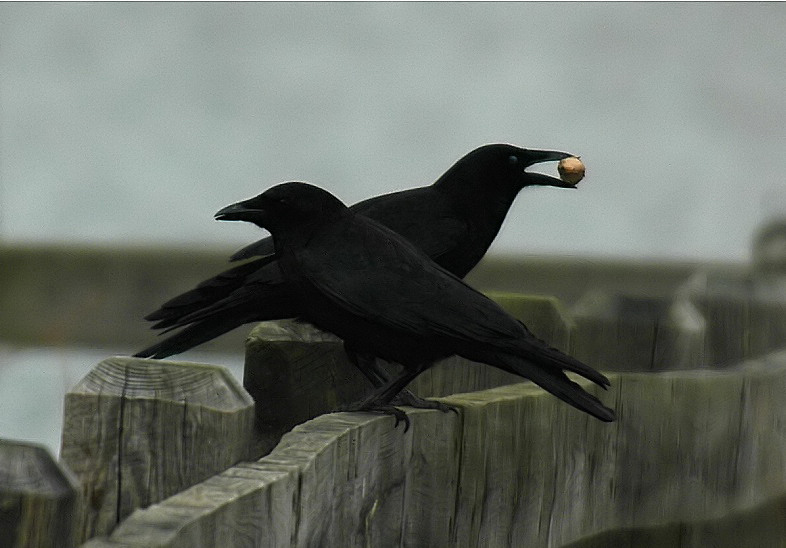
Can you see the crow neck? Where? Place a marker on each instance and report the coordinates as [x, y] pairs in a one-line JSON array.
[[299, 234], [479, 198]]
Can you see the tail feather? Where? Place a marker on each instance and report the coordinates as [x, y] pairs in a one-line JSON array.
[[205, 294], [194, 335], [538, 351], [261, 302], [555, 382], [551, 357]]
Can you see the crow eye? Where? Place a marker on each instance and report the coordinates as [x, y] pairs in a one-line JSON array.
[[513, 160]]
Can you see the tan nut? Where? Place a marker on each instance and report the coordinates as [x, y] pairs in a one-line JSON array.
[[571, 170]]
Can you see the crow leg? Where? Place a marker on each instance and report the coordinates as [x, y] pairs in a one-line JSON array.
[[368, 365], [379, 376], [380, 400]]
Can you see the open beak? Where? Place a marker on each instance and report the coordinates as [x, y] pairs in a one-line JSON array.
[[540, 156]]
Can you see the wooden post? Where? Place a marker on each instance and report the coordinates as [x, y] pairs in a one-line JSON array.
[[38, 498], [626, 333], [137, 431], [295, 372], [745, 313]]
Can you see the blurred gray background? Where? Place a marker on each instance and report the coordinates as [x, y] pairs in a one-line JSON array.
[[132, 123]]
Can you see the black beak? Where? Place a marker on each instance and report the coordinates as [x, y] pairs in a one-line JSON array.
[[546, 180], [241, 211], [539, 156]]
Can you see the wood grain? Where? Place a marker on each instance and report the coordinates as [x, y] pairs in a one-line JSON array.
[[138, 431]]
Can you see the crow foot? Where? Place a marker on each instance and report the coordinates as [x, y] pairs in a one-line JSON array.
[[405, 397], [385, 409]]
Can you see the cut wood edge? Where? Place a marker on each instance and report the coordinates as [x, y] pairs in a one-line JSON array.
[[143, 378]]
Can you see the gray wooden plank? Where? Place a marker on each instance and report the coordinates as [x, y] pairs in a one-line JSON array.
[[38, 498], [137, 431]]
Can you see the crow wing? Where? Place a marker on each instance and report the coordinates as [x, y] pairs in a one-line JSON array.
[[388, 281]]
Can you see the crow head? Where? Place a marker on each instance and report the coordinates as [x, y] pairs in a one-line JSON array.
[[285, 206], [503, 167]]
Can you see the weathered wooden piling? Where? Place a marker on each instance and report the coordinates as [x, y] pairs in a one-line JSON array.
[[695, 455], [295, 372], [38, 498], [628, 333], [745, 313], [517, 467], [138, 431]]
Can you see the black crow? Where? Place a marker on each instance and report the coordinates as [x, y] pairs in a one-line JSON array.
[[384, 297], [453, 221]]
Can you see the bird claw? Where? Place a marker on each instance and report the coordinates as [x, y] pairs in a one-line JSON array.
[[400, 416], [405, 397], [372, 407]]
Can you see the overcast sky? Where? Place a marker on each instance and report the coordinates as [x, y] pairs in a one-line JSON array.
[[132, 123]]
